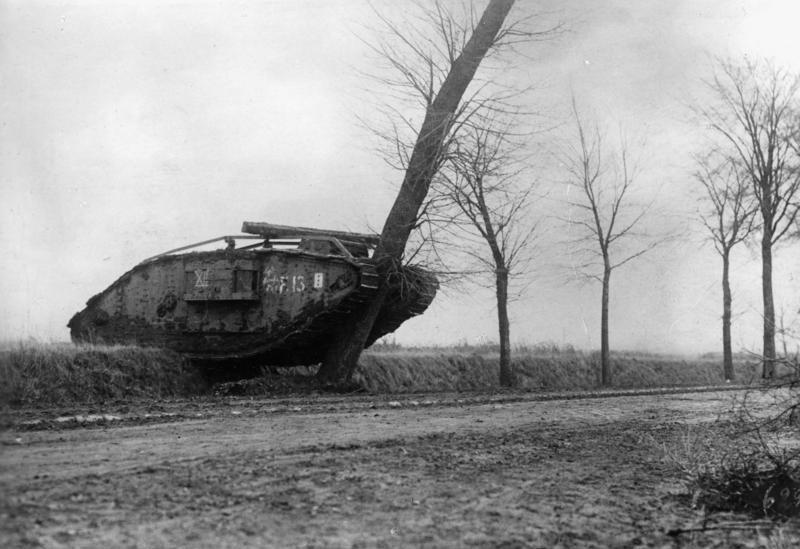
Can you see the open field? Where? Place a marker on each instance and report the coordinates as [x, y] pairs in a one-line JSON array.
[[369, 472]]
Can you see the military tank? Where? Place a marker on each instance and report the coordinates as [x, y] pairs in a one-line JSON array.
[[274, 296]]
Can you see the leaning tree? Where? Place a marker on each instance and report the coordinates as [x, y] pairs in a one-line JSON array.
[[439, 69]]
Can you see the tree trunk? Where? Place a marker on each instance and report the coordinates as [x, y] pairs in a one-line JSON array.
[[342, 357], [727, 352], [605, 353], [506, 373], [768, 368]]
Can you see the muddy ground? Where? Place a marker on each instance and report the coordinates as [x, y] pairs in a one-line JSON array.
[[424, 471]]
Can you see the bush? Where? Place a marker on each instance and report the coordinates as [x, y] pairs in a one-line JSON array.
[[753, 468]]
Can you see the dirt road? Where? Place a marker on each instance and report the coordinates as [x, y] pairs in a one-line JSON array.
[[339, 473]]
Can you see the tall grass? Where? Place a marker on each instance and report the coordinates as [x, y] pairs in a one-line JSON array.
[[538, 368], [63, 373], [57, 374]]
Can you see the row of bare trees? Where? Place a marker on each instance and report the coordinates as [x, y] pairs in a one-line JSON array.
[[485, 189], [751, 176], [466, 176]]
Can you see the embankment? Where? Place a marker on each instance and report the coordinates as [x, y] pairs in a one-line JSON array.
[[56, 374]]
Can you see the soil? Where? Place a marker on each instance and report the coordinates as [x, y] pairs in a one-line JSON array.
[[334, 471]]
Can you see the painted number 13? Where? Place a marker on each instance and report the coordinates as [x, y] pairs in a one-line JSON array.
[[298, 283]]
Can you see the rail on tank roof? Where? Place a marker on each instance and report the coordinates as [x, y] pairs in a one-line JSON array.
[[347, 244], [271, 231]]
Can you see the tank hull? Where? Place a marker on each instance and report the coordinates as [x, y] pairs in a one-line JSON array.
[[274, 307]]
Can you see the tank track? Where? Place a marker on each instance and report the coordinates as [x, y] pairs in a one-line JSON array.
[[302, 344], [313, 328], [396, 309]]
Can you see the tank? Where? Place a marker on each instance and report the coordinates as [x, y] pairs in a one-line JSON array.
[[273, 296]]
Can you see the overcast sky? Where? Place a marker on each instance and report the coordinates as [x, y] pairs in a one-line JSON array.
[[132, 127]]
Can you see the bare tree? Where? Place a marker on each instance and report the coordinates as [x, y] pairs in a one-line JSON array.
[[457, 58], [754, 115], [794, 144], [729, 218], [485, 180], [603, 215]]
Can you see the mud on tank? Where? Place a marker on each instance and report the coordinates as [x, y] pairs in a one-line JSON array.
[[274, 296]]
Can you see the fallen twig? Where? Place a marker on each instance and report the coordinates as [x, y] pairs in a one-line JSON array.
[[743, 525]]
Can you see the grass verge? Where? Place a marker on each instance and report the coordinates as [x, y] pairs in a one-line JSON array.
[[547, 369], [56, 374]]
